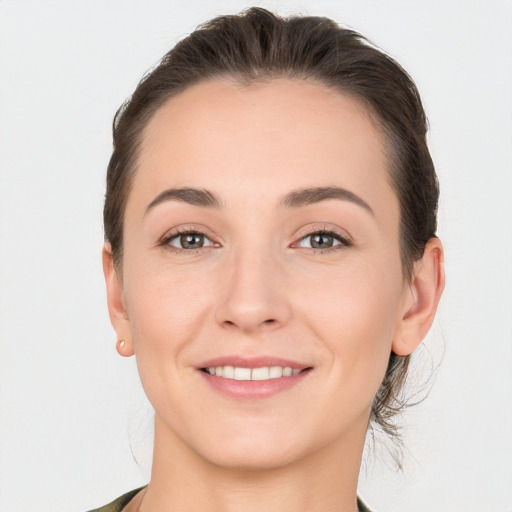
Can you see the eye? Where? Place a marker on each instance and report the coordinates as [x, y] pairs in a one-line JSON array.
[[323, 240], [189, 240]]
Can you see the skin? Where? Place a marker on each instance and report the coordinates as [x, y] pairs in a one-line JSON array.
[[258, 287]]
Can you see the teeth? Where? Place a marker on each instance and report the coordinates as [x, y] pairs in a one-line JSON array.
[[242, 374], [275, 372], [264, 373], [260, 373], [228, 372]]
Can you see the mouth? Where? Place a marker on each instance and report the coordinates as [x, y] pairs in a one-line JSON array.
[[260, 373], [252, 378]]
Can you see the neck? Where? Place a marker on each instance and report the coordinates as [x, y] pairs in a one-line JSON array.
[[325, 480]]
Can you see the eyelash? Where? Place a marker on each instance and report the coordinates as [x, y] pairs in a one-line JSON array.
[[344, 242], [166, 241]]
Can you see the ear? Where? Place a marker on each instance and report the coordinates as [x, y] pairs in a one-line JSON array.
[[421, 299], [116, 305]]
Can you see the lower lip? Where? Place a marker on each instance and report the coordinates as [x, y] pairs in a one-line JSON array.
[[253, 389]]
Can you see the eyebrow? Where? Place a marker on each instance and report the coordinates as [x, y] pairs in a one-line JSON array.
[[295, 199], [307, 196], [193, 196]]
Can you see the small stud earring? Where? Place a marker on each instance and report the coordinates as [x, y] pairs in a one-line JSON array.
[[124, 348]]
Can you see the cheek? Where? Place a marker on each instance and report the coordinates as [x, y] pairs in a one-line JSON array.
[[357, 297], [164, 306], [355, 314], [166, 310]]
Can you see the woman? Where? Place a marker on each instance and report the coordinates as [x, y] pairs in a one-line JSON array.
[[271, 260]]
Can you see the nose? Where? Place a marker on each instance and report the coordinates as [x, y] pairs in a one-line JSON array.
[[253, 292]]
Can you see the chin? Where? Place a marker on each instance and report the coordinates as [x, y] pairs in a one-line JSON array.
[[252, 449], [252, 457]]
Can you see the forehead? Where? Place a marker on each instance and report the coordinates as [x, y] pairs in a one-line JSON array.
[[262, 139]]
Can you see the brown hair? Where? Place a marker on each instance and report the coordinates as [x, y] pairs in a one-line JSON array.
[[259, 45]]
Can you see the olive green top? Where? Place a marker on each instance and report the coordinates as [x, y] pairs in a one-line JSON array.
[[122, 501]]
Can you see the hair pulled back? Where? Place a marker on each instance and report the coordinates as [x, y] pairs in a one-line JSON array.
[[258, 45]]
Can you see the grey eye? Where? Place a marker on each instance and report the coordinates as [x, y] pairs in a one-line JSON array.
[[190, 241], [319, 241], [322, 241]]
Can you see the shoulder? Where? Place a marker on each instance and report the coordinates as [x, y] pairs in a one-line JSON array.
[[121, 502], [361, 507], [118, 504]]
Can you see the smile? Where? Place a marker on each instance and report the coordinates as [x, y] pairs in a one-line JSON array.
[[252, 378], [241, 373]]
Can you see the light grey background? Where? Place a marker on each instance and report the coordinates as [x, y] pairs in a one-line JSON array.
[[68, 403]]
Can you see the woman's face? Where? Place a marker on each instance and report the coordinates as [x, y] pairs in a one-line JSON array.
[[261, 231]]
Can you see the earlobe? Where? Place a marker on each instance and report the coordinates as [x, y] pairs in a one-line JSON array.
[[116, 304], [423, 296], [124, 349]]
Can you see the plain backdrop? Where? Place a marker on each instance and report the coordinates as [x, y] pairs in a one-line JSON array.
[[72, 418]]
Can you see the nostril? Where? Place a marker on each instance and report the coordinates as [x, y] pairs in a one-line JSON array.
[[249, 323]]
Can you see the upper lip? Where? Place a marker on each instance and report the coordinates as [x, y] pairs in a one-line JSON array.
[[253, 362]]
